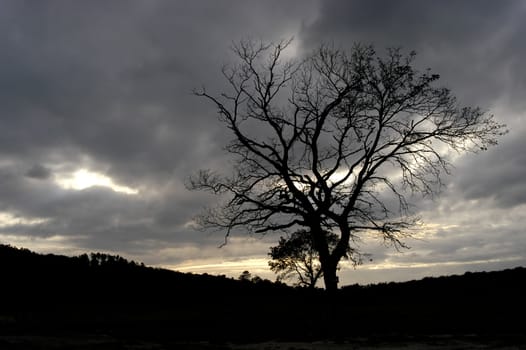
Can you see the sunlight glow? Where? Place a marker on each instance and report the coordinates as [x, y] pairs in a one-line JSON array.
[[9, 220], [82, 179], [340, 174], [257, 266], [337, 176], [415, 265], [292, 51]]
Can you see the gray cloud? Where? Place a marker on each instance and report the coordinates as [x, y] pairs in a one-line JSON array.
[[497, 174], [470, 43], [106, 86], [38, 171]]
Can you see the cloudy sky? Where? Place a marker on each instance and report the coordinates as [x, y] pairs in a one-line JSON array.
[[99, 129]]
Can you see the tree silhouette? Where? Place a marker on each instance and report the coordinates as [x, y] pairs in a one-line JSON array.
[[294, 258], [245, 276], [334, 143]]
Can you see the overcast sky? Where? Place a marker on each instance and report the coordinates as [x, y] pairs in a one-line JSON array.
[[99, 129]]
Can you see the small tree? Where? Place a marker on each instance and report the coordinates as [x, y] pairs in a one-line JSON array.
[[245, 276], [294, 258], [333, 143]]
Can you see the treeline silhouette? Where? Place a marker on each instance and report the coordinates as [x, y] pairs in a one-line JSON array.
[[106, 294]]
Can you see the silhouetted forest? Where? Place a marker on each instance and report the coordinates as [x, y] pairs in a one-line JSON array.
[[105, 294]]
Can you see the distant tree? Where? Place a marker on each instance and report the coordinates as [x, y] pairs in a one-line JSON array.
[[294, 258], [334, 143], [83, 260], [256, 279], [245, 276], [248, 277]]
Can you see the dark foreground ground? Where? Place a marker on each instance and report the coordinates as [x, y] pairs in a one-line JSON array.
[[105, 302], [78, 342]]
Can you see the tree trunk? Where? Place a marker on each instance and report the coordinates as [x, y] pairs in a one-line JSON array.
[[329, 275], [328, 261]]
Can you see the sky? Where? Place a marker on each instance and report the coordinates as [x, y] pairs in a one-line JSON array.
[[100, 130]]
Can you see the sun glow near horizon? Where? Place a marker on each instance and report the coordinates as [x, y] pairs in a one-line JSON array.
[[83, 179]]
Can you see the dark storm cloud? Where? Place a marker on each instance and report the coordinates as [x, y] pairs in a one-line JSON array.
[[106, 86], [477, 46], [498, 174], [114, 80], [38, 171], [412, 21]]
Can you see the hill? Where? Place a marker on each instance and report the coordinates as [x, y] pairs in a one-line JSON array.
[[104, 294]]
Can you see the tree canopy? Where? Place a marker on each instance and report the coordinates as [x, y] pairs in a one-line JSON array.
[[334, 143]]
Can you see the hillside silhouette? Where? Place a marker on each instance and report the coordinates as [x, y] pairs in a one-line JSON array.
[[106, 294]]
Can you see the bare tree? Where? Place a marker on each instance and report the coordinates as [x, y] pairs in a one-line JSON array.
[[294, 258], [334, 143]]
